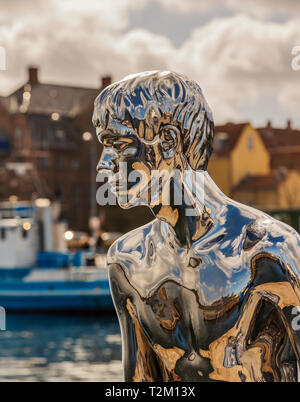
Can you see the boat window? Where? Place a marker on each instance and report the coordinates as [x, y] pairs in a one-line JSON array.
[[2, 234]]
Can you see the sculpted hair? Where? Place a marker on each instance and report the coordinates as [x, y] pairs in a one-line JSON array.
[[148, 101]]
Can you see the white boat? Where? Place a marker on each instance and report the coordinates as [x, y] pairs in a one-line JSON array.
[[37, 273]]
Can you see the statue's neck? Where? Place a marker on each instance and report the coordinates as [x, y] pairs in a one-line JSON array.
[[196, 215]]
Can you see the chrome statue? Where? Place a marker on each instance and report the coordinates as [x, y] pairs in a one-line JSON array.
[[209, 290]]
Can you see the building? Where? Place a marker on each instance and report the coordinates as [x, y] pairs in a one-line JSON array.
[[43, 153], [283, 145], [48, 149], [238, 151], [258, 167]]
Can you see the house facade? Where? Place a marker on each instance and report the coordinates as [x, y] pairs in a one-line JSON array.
[[258, 167]]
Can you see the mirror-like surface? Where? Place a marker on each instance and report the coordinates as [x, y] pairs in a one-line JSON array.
[[209, 290]]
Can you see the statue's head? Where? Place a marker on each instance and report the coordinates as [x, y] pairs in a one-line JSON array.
[[157, 120]]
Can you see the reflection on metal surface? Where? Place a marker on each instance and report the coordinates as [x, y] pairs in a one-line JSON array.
[[202, 296]]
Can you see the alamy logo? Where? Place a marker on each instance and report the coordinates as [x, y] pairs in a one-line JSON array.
[[156, 187], [296, 59], [2, 319], [2, 58]]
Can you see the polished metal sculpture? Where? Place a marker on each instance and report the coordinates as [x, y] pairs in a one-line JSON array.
[[209, 290]]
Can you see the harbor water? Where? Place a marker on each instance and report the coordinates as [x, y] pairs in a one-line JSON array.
[[60, 348]]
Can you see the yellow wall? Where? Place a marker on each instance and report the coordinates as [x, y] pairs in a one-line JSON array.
[[244, 161], [287, 194], [228, 171], [262, 199], [289, 191], [219, 170]]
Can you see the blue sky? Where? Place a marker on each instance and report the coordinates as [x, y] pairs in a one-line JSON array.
[[238, 51]]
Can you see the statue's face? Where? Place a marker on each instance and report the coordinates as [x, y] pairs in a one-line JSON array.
[[131, 160]]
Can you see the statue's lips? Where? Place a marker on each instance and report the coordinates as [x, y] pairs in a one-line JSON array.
[[123, 187], [119, 187], [121, 184]]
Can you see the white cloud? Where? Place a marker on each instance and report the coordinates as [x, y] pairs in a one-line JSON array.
[[289, 99], [68, 39], [237, 60]]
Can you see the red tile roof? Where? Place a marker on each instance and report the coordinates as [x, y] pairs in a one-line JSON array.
[[283, 146], [226, 137], [278, 138], [262, 182]]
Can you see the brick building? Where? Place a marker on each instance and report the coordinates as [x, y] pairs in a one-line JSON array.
[[43, 152]]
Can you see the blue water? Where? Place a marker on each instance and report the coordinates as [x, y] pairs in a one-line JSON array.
[[60, 348]]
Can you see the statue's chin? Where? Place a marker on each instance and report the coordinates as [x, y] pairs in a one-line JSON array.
[[125, 206], [136, 202]]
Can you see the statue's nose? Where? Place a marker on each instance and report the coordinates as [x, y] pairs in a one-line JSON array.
[[107, 161]]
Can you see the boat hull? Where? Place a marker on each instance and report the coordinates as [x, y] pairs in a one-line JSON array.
[[44, 303], [62, 290]]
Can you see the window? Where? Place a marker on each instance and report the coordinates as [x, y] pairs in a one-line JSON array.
[[19, 137], [3, 134], [221, 141], [250, 143], [2, 234], [75, 164], [44, 162], [18, 133], [76, 195], [4, 141], [60, 193], [60, 163], [60, 134]]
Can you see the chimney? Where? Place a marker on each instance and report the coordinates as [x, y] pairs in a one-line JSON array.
[[106, 81], [289, 124], [269, 124], [33, 75]]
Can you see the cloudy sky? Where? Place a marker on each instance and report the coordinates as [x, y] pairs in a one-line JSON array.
[[239, 51]]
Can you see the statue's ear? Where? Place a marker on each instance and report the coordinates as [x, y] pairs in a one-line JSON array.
[[168, 140]]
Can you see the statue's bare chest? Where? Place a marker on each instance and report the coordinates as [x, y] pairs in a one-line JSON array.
[[210, 278]]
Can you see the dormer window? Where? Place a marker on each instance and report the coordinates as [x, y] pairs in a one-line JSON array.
[[220, 141], [250, 143]]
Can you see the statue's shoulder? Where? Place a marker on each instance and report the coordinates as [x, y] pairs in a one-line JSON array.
[[133, 246], [274, 238], [286, 238], [264, 226]]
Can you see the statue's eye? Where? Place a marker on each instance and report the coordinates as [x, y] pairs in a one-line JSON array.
[[124, 142], [168, 140], [108, 142], [120, 144], [166, 146], [168, 135]]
